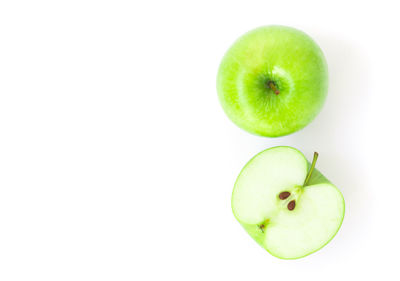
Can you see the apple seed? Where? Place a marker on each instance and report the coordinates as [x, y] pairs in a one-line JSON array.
[[283, 195], [291, 205]]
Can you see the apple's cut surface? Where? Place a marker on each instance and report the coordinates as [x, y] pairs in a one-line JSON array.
[[285, 204], [273, 81]]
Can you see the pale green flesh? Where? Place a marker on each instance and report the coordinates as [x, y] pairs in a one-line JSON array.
[[289, 58], [286, 234], [264, 177]]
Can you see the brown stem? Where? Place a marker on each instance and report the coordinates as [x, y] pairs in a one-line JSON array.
[[273, 87]]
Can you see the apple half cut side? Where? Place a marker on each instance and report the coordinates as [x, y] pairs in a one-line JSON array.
[[285, 204]]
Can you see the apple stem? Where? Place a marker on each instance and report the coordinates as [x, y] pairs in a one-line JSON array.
[[314, 161], [273, 87]]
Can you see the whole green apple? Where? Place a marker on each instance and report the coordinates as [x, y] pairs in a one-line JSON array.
[[285, 204], [273, 81]]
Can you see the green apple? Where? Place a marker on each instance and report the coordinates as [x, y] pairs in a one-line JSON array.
[[273, 81], [285, 204]]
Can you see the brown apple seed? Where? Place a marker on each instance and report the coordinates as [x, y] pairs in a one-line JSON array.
[[291, 205], [283, 195]]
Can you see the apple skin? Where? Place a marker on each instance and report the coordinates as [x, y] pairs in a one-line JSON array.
[[285, 56], [253, 230]]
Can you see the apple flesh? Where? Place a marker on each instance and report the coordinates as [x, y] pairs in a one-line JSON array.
[[273, 81], [285, 204]]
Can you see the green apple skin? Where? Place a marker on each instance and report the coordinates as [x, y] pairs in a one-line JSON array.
[[288, 58], [253, 229]]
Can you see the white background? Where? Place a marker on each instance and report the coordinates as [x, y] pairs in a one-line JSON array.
[[117, 161]]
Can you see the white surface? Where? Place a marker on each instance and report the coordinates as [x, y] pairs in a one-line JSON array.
[[117, 162]]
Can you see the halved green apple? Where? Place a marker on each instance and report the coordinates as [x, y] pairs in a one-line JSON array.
[[285, 204]]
